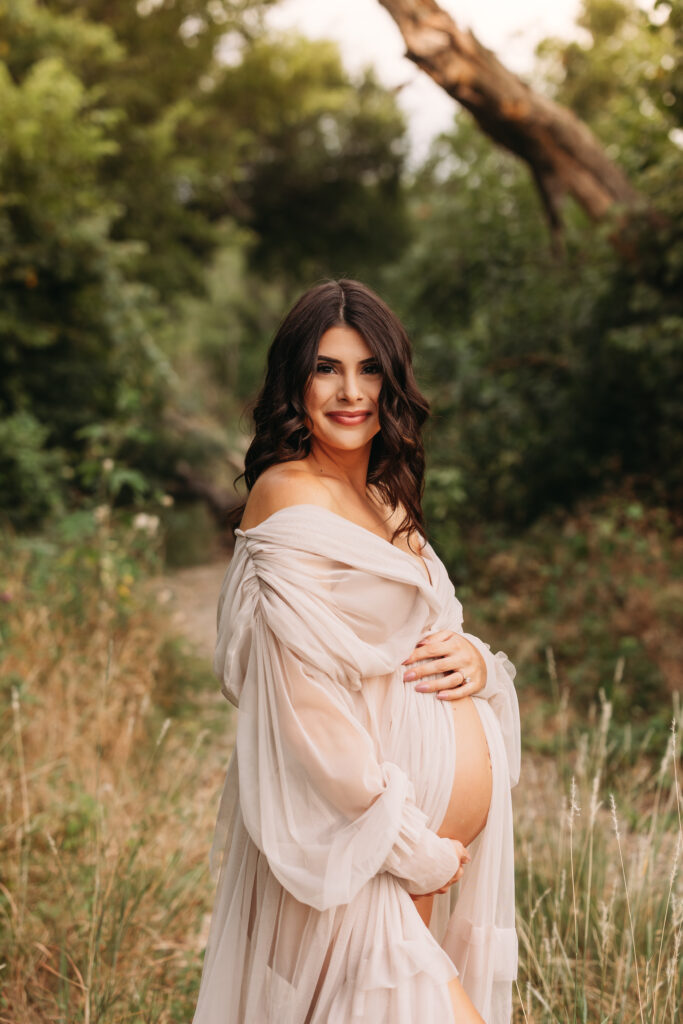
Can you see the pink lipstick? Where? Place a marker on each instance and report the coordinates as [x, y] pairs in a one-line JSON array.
[[348, 419]]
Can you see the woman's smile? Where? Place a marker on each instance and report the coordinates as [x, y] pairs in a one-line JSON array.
[[349, 419]]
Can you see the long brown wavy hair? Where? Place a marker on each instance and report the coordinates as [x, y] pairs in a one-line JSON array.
[[397, 461]]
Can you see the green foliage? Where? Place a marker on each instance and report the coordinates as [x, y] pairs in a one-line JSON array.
[[585, 603], [138, 144], [31, 475], [73, 321], [617, 78], [54, 223], [216, 120], [172, 177], [325, 155], [94, 554], [551, 379]]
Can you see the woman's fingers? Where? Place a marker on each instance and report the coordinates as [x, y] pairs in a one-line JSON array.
[[457, 692], [465, 858], [457, 665], [444, 888], [429, 648], [446, 681]]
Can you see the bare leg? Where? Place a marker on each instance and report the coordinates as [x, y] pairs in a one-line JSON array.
[[423, 905], [463, 1007]]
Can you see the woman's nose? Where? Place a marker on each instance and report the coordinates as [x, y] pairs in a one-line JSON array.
[[350, 388]]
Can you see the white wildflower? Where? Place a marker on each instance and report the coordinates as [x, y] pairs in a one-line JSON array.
[[147, 523]]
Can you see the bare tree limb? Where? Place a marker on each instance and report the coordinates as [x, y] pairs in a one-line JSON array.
[[191, 484], [564, 156]]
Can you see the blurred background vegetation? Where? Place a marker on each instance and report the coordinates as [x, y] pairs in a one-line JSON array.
[[172, 176]]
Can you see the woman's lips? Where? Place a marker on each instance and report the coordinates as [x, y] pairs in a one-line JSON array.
[[348, 418]]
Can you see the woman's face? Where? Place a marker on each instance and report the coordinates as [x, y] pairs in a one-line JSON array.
[[342, 398]]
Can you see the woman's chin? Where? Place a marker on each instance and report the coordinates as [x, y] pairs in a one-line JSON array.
[[344, 439]]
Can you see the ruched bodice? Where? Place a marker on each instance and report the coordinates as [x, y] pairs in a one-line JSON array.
[[363, 619]]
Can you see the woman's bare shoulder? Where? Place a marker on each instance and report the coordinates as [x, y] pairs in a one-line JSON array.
[[282, 485]]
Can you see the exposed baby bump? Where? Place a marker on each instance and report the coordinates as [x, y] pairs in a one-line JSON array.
[[470, 798], [441, 746]]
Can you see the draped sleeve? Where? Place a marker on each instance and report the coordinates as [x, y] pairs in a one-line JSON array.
[[326, 812]]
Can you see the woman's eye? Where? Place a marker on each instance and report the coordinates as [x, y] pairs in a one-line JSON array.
[[328, 368]]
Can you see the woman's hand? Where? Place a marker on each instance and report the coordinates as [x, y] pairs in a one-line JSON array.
[[461, 667], [464, 859]]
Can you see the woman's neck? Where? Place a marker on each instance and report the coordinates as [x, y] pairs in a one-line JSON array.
[[349, 467]]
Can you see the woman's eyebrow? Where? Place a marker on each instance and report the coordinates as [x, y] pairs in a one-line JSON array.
[[330, 359]]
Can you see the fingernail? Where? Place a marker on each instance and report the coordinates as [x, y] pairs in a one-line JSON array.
[[422, 687], [408, 676]]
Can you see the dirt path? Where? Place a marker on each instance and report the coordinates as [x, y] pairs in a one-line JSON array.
[[193, 595]]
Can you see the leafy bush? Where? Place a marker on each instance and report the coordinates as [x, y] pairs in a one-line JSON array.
[[585, 603], [31, 475]]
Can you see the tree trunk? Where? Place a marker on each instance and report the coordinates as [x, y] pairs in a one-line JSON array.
[[562, 152]]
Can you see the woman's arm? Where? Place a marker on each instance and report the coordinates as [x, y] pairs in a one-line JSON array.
[[315, 799]]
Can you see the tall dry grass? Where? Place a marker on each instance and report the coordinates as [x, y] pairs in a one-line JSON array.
[[599, 892], [111, 757], [110, 778]]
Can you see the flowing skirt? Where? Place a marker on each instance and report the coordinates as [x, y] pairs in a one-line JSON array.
[[271, 958]]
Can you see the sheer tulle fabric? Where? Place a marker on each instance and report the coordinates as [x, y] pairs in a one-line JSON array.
[[340, 776]]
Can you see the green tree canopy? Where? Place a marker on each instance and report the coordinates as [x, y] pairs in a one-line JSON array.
[[552, 378], [132, 137]]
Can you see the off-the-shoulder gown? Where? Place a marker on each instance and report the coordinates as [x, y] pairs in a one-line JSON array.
[[340, 776]]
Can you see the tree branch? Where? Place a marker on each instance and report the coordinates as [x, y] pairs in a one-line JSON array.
[[562, 152]]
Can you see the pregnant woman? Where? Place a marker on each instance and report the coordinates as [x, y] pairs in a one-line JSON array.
[[375, 740]]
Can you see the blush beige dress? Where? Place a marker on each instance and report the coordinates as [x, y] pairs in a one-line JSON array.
[[340, 776]]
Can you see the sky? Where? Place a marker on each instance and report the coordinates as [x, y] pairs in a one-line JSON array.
[[368, 35]]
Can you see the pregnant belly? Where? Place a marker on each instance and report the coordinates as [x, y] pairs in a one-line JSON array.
[[470, 798], [441, 745]]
